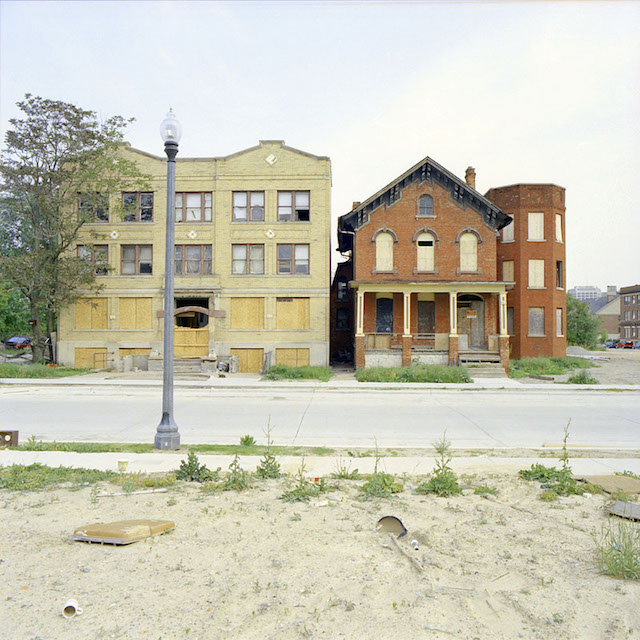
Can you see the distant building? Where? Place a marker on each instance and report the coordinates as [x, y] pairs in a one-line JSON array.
[[585, 293], [630, 312], [608, 311]]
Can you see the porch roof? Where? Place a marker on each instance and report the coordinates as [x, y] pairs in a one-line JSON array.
[[371, 286]]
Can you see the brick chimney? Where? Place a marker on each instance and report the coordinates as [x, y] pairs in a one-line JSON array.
[[354, 205], [470, 177]]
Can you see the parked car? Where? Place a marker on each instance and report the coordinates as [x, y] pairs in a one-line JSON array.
[[625, 344], [17, 342], [637, 345], [610, 344]]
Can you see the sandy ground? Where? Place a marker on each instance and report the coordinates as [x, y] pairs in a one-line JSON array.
[[250, 566]]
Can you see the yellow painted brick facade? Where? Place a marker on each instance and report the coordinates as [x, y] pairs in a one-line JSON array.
[[134, 302]]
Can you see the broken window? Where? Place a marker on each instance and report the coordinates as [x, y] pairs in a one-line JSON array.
[[138, 207], [98, 256], [293, 205], [94, 207], [559, 275], [193, 207]]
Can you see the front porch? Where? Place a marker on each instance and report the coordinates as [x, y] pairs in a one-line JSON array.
[[399, 324]]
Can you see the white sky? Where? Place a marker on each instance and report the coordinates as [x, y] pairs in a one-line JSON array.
[[522, 91]]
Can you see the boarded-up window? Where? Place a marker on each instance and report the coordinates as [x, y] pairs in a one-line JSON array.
[[293, 357], [426, 316], [292, 313], [468, 252], [247, 313], [510, 330], [536, 321], [507, 232], [91, 313], [90, 358], [558, 227], [536, 274], [133, 351], [426, 252], [536, 226], [135, 313], [507, 271], [559, 327], [250, 360], [384, 252]]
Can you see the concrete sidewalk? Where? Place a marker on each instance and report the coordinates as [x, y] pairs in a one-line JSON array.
[[254, 381], [315, 465]]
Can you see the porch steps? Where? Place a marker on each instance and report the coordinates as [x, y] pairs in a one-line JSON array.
[[487, 370], [187, 365], [482, 364]]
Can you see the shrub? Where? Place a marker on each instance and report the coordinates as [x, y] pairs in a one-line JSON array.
[[247, 441], [443, 481], [238, 479], [192, 471], [414, 373]]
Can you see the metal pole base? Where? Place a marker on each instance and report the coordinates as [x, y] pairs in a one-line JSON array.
[[167, 436]]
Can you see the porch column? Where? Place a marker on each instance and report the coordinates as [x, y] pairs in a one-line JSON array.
[[406, 335], [503, 315], [359, 337], [453, 328]]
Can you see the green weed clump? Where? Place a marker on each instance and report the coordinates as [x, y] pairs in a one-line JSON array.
[[192, 471], [304, 489], [19, 477], [343, 471], [484, 489], [414, 373], [381, 484], [10, 370], [546, 366], [443, 481], [619, 550], [269, 467], [247, 441], [238, 479], [582, 377], [284, 372]]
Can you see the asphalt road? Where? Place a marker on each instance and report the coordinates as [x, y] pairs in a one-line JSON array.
[[473, 419]]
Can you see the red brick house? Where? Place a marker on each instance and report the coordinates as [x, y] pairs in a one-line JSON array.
[[427, 281]]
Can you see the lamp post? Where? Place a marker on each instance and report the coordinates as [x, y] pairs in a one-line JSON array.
[[167, 435]]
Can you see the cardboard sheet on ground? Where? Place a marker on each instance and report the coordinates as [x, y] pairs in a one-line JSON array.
[[122, 532], [612, 484], [625, 510]]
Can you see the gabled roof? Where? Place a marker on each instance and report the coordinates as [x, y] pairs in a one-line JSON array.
[[427, 170]]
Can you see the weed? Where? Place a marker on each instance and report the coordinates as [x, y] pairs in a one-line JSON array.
[[557, 618], [343, 471], [247, 441], [36, 476], [628, 474], [546, 366], [269, 467], [582, 377], [443, 481], [483, 489], [171, 502], [381, 484], [9, 370], [549, 496], [238, 479], [283, 372], [304, 488], [414, 373], [192, 471]]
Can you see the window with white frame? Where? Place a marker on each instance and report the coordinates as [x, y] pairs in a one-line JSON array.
[[247, 259], [193, 207], [536, 321], [384, 252], [425, 246], [535, 226], [536, 274], [248, 206]]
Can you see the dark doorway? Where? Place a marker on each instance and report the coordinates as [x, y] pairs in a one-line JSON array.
[[384, 315], [426, 316]]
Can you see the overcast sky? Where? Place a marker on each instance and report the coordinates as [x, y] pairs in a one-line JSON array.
[[523, 91]]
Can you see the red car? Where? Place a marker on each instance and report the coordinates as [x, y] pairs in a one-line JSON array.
[[625, 344]]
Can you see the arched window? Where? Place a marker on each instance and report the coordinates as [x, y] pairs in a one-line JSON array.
[[425, 207], [384, 252], [425, 245], [468, 252]]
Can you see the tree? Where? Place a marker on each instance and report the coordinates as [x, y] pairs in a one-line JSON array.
[[60, 168], [582, 325]]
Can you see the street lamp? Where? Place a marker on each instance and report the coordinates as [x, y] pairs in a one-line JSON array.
[[167, 435]]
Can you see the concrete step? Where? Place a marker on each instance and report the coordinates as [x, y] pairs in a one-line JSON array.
[[187, 365], [487, 371], [478, 356]]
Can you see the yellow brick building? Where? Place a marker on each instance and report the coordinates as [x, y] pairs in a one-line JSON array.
[[252, 264]]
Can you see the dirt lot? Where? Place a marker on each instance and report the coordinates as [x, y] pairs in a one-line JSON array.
[[250, 566]]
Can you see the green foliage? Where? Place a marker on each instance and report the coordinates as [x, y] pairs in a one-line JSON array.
[[582, 325], [269, 467], [192, 471], [304, 488], [414, 373], [36, 476], [628, 473], [9, 370], [582, 377], [283, 372], [380, 484], [546, 366], [247, 441], [237, 479], [484, 489], [14, 312], [619, 550], [343, 471], [443, 481]]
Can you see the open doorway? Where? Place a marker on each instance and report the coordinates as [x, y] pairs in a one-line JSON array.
[[191, 330]]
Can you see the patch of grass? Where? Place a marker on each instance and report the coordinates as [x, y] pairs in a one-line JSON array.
[[19, 477], [9, 370], [546, 366], [247, 441], [484, 489], [582, 377], [443, 482], [192, 471], [628, 474], [283, 372], [414, 373], [304, 489], [619, 550], [238, 479]]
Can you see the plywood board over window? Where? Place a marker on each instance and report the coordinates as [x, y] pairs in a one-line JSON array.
[[247, 313], [536, 225], [536, 274], [292, 313], [293, 357], [133, 351], [135, 313], [90, 358], [468, 253], [91, 313], [250, 359]]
